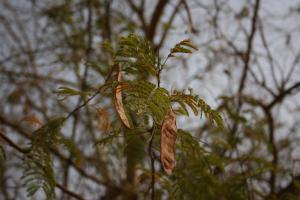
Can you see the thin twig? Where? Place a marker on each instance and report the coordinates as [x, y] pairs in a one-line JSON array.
[[69, 192], [152, 160], [84, 104], [12, 144], [248, 52]]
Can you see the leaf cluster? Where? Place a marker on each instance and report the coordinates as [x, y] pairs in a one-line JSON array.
[[196, 104], [38, 166], [136, 55], [144, 98]]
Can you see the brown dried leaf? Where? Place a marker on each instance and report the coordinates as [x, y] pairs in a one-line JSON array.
[[167, 141], [26, 106], [103, 114], [32, 119], [119, 102], [15, 96]]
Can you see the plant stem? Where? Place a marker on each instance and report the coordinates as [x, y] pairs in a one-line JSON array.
[[152, 165]]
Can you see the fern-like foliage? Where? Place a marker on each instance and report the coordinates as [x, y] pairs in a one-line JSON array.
[[48, 134], [39, 173], [136, 64], [196, 104], [38, 163], [203, 174], [136, 55], [143, 97]]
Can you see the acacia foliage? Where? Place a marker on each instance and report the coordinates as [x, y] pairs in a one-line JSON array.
[[135, 98], [255, 158]]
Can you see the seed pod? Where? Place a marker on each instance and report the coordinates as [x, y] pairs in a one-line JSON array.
[[119, 101], [167, 141], [33, 120], [103, 119]]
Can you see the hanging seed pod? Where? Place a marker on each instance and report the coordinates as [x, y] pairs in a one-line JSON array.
[[119, 101], [167, 141]]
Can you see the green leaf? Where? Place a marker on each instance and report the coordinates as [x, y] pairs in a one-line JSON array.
[[32, 189], [179, 49], [185, 46], [66, 92], [183, 107]]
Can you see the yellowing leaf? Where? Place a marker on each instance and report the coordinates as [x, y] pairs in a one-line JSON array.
[[184, 46], [103, 114], [33, 120], [179, 49], [188, 43], [119, 102], [168, 136]]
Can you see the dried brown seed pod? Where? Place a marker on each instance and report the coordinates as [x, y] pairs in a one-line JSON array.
[[119, 101], [167, 141]]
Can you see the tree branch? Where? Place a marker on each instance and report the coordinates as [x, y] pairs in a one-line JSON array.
[[159, 9], [248, 52], [152, 160]]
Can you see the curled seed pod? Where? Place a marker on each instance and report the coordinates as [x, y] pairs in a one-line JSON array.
[[119, 101], [167, 141]]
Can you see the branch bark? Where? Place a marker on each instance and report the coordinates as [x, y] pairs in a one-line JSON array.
[[156, 16]]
